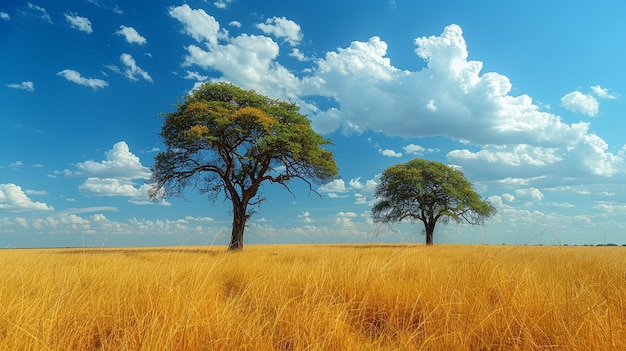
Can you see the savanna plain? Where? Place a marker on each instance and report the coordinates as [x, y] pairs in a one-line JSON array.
[[314, 297]]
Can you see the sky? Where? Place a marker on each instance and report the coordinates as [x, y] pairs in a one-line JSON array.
[[526, 98]]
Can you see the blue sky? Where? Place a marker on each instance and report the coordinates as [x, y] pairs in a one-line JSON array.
[[526, 98]]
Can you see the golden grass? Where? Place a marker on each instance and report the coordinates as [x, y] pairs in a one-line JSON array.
[[314, 298]]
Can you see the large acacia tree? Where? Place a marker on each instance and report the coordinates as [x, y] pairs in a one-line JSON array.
[[225, 140], [430, 192]]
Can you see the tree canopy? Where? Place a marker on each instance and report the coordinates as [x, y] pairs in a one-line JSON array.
[[430, 192], [225, 140]]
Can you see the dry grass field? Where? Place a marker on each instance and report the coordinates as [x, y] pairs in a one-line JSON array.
[[314, 298]]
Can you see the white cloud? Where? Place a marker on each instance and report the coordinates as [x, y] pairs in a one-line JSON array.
[[367, 188], [417, 149], [306, 217], [131, 35], [115, 175], [13, 198], [414, 149], [344, 221], [119, 163], [37, 12], [76, 77], [529, 193], [602, 93], [589, 157], [109, 187], [335, 186], [222, 4], [515, 156], [198, 24], [363, 191], [132, 70], [193, 75], [5, 16], [80, 23], [27, 85], [449, 97], [281, 27], [16, 165], [235, 24], [432, 106], [389, 153], [248, 61], [511, 137], [579, 102], [298, 55]]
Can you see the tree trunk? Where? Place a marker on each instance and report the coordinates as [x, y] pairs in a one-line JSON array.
[[239, 224], [430, 231]]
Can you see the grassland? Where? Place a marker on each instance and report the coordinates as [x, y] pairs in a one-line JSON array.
[[314, 298]]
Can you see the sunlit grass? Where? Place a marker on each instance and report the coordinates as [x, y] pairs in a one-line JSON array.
[[314, 298]]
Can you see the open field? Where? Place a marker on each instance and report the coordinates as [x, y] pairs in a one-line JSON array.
[[314, 298]]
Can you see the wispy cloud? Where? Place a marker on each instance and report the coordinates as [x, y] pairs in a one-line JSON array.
[[35, 11], [75, 77], [602, 93], [133, 71], [27, 85]]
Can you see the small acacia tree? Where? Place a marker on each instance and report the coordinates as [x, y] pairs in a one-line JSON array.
[[226, 140], [430, 192]]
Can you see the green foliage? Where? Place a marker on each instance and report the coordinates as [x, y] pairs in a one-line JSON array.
[[226, 140], [430, 192]]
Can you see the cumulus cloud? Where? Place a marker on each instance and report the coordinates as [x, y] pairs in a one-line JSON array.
[[116, 175], [80, 23], [281, 27], [363, 192], [109, 187], [589, 157], [582, 103], [13, 198], [248, 61], [131, 35], [368, 187], [119, 163], [449, 97], [334, 189], [75, 77], [509, 137], [235, 24], [533, 194], [133, 71], [27, 85], [389, 153]]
